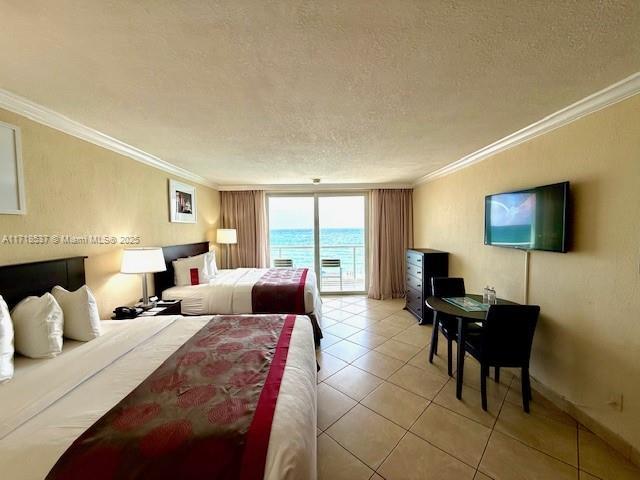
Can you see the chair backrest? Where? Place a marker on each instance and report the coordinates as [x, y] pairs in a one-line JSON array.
[[330, 262], [283, 262], [507, 334], [448, 287]]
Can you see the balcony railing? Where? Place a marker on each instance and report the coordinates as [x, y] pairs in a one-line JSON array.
[[350, 277]]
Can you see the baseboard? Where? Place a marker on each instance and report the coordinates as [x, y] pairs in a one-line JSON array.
[[614, 440]]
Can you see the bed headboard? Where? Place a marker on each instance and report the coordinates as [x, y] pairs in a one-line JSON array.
[[164, 280], [35, 278]]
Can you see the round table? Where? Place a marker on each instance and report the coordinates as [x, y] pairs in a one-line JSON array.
[[464, 318]]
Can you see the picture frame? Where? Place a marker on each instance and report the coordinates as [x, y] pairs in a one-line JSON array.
[[12, 191], [182, 202]]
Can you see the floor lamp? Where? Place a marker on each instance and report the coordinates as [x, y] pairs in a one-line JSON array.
[[227, 236]]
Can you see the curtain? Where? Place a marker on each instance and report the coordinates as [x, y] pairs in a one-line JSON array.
[[390, 234], [245, 211]]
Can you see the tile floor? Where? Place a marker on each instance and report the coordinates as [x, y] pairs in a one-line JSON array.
[[385, 412]]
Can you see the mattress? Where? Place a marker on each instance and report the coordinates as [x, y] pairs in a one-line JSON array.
[[50, 402], [229, 292]]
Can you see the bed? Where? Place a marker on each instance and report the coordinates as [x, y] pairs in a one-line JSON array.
[[230, 291], [49, 403]]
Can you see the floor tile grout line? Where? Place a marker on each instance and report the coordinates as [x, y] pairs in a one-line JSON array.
[[493, 429]]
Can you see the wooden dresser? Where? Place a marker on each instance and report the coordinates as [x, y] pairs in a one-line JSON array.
[[422, 264]]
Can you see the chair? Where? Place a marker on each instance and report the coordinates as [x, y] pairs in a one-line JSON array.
[[505, 341], [283, 263], [331, 263], [445, 287]]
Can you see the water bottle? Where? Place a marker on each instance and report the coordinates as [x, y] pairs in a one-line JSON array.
[[492, 296], [485, 294]]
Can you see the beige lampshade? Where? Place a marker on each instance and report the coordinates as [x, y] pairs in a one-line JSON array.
[[142, 260], [227, 235]]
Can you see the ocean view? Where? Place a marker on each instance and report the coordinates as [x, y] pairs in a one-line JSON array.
[[347, 244]]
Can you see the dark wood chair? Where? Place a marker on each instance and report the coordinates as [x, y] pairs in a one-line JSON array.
[[445, 287], [505, 341]]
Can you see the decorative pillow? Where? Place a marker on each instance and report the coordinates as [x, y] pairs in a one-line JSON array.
[[194, 270], [37, 323], [80, 310], [6, 343]]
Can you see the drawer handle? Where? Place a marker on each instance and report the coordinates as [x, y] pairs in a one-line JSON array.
[[419, 285]]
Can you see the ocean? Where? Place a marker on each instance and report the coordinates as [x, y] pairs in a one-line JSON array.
[[347, 244]]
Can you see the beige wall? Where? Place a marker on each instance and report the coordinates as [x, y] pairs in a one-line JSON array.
[[587, 345], [74, 188]]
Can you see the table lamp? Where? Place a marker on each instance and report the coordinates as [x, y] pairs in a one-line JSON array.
[[227, 236], [143, 261]]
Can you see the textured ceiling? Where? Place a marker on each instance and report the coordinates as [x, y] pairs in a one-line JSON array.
[[256, 91]]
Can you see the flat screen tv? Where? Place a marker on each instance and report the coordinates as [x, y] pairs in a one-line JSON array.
[[532, 219]]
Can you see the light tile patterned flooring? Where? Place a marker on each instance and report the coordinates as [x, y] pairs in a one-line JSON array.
[[385, 412]]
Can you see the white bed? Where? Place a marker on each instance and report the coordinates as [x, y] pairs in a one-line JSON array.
[[229, 292], [50, 402]]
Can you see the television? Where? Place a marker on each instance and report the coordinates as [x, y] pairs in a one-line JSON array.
[[532, 219]]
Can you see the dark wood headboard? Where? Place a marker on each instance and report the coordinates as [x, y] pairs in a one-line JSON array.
[[26, 279], [164, 280]]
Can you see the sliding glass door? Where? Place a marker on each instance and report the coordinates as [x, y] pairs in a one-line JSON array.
[[324, 232], [292, 231]]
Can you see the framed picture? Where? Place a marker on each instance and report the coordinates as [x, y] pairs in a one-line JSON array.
[[182, 202], [12, 196]]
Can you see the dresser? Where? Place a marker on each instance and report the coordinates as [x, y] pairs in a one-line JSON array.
[[422, 264]]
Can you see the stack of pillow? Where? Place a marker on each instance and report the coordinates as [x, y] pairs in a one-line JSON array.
[[36, 325], [195, 270]]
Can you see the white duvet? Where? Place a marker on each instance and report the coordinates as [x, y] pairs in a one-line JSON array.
[[50, 402], [229, 292]]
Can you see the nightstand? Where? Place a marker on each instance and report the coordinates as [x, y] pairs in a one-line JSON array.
[[161, 308]]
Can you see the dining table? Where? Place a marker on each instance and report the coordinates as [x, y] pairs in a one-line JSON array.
[[464, 317]]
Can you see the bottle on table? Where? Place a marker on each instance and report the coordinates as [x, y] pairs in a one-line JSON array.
[[492, 298]]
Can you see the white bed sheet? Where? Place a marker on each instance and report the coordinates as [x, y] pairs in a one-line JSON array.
[[229, 292], [93, 382]]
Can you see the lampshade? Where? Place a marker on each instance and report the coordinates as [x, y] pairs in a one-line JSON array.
[[227, 235], [142, 260]]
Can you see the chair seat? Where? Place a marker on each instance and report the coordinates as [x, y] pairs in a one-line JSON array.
[[449, 327]]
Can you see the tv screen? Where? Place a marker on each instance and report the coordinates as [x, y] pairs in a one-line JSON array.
[[533, 219]]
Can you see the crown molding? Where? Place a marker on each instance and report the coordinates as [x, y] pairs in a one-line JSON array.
[[38, 113], [608, 96], [310, 188]]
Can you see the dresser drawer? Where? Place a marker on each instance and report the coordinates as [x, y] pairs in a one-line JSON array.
[[414, 258], [414, 302], [414, 271], [414, 282]]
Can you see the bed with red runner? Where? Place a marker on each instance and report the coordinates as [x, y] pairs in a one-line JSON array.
[[227, 403], [253, 290]]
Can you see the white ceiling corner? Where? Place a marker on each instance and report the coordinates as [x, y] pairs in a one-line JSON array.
[[38, 113], [607, 96]]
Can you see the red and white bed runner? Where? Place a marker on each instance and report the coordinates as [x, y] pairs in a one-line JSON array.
[[206, 412], [280, 290]]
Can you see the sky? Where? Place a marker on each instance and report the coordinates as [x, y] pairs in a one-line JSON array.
[[334, 212]]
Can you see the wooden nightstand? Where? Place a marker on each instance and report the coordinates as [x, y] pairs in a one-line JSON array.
[[162, 308]]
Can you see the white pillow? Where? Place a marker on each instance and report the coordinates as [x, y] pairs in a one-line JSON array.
[[37, 323], [212, 263], [205, 265], [6, 343], [80, 310]]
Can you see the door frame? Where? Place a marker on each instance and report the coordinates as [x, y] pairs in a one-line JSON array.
[[316, 232]]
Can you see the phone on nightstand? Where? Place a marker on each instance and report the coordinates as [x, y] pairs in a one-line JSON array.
[[126, 312]]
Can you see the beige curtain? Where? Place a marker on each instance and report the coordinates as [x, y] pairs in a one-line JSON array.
[[246, 211], [390, 234]]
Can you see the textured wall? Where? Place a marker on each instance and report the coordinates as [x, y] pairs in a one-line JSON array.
[[587, 345], [76, 188], [285, 91]]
